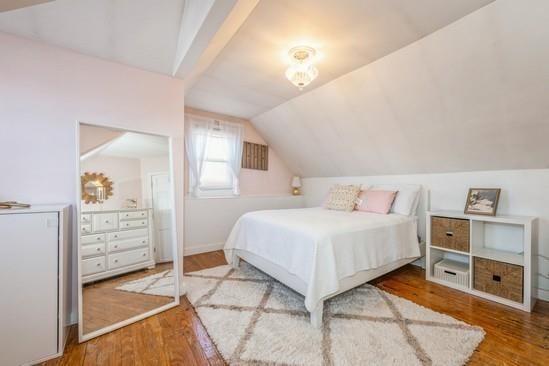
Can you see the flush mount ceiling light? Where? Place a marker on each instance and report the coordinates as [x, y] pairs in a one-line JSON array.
[[301, 72]]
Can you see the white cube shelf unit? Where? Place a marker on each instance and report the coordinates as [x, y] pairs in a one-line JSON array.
[[498, 251]]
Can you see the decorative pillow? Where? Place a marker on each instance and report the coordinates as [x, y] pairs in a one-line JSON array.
[[342, 197], [406, 200], [375, 201]]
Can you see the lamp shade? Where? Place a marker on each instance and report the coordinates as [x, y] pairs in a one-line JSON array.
[[296, 182]]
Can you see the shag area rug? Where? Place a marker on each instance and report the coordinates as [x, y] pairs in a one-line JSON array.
[[255, 320], [159, 284]]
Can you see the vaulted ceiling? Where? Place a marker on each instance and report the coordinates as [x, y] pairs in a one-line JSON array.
[[404, 86], [139, 33], [247, 77], [472, 96]]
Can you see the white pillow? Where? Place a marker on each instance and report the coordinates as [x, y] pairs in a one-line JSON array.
[[406, 200]]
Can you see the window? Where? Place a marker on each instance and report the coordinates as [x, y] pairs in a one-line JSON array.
[[216, 172], [214, 152]]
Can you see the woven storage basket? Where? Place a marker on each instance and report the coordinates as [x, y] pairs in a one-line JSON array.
[[452, 271], [450, 233], [498, 278]]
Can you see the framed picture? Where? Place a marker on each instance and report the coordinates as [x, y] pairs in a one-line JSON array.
[[482, 201]]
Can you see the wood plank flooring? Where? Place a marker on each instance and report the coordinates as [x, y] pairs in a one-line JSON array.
[[104, 305], [177, 337]]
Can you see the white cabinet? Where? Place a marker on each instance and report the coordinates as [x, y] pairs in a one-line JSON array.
[[115, 242], [494, 252], [33, 304]]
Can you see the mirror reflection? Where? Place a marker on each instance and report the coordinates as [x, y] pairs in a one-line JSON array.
[[126, 256]]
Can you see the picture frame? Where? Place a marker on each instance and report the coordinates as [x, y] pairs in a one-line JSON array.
[[482, 201]]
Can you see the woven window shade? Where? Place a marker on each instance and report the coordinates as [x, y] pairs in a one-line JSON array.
[[255, 156]]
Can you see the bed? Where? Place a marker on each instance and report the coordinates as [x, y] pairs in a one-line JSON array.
[[321, 253]]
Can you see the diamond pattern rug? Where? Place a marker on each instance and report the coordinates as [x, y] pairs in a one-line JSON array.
[[255, 320]]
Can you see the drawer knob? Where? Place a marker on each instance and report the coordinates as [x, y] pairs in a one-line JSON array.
[[144, 254], [116, 236], [116, 261], [496, 278], [143, 223], [144, 241], [98, 264], [449, 233], [98, 249], [107, 221], [116, 246], [98, 238]]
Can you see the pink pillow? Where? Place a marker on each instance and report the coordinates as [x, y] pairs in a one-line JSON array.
[[375, 201]]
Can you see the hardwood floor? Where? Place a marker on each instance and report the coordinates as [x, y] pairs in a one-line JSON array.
[[177, 337], [104, 305]]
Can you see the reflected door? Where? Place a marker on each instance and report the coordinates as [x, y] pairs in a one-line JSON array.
[[161, 198]]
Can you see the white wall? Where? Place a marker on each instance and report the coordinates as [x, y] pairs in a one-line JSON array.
[[212, 219], [471, 96], [524, 192], [44, 90]]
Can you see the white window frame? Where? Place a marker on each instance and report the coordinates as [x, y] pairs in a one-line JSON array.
[[212, 191]]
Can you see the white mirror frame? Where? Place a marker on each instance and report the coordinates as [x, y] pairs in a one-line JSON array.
[[76, 221]]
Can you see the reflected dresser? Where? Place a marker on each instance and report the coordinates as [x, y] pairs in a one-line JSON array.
[[115, 242]]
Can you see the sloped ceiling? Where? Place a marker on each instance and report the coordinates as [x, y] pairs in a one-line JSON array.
[[139, 33], [471, 96], [247, 77]]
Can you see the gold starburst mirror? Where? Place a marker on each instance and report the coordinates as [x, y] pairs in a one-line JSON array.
[[95, 187]]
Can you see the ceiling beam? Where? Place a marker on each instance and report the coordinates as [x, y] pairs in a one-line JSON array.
[[206, 27]]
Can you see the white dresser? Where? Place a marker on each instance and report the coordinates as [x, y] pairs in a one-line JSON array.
[[34, 305], [115, 242]]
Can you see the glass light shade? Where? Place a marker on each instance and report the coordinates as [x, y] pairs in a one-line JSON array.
[[296, 182], [301, 75]]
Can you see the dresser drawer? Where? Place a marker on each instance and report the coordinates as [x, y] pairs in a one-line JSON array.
[[92, 250], [498, 278], [93, 265], [86, 228], [92, 239], [127, 234], [118, 245], [105, 221], [450, 233], [133, 215], [128, 258], [85, 218], [133, 224]]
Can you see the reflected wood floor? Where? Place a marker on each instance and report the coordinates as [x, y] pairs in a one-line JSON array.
[[105, 305], [177, 337]]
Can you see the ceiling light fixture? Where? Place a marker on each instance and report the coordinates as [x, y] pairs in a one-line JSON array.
[[301, 72]]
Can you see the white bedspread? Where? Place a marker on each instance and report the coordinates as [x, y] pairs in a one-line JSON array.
[[323, 246]]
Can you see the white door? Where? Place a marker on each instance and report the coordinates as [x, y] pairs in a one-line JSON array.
[[162, 214], [28, 287]]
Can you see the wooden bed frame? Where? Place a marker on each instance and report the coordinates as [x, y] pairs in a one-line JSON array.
[[298, 285]]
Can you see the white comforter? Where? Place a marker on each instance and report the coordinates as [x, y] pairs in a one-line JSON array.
[[323, 246]]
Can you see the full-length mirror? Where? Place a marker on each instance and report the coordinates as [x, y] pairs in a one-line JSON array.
[[127, 245]]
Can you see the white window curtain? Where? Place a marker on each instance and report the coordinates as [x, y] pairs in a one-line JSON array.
[[198, 132]]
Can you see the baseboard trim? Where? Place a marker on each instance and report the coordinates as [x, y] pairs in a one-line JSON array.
[[204, 248]]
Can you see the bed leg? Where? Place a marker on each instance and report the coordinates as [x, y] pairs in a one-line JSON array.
[[236, 262], [316, 315]]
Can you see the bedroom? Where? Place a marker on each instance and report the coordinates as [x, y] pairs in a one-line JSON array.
[[343, 182]]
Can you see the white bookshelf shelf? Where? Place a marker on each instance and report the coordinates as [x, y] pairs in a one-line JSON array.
[[499, 255], [505, 241]]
